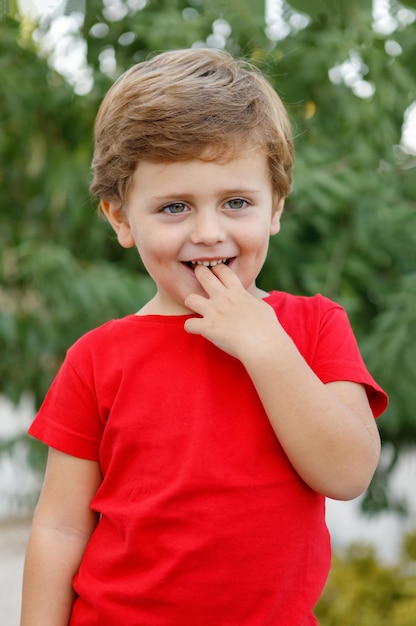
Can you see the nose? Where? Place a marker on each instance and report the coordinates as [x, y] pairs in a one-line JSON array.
[[208, 228]]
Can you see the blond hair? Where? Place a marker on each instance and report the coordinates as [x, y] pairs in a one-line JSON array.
[[181, 104]]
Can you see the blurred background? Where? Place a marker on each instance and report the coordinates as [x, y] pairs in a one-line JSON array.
[[346, 71]]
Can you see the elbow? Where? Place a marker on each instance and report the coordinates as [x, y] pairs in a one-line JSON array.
[[349, 480], [353, 482], [349, 491], [343, 490]]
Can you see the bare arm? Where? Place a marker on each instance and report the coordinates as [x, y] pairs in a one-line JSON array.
[[62, 526], [327, 431]]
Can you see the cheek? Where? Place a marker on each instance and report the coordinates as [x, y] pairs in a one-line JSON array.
[[257, 237], [150, 244]]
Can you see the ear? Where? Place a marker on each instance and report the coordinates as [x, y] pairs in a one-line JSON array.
[[277, 214], [119, 221]]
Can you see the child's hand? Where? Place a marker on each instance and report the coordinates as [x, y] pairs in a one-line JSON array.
[[231, 318]]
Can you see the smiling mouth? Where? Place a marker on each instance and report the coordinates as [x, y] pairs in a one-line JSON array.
[[209, 264]]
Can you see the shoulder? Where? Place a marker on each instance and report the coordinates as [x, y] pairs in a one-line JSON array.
[[285, 299], [116, 328], [313, 322], [102, 340], [312, 309]]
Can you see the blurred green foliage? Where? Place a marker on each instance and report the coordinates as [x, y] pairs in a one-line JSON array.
[[350, 225], [362, 591]]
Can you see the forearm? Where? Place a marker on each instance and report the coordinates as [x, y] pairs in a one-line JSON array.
[[53, 557], [331, 447]]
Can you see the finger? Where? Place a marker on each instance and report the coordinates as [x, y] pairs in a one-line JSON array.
[[225, 275], [206, 278], [196, 303], [212, 278], [193, 326]]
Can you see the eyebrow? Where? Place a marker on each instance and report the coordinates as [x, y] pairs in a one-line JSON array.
[[224, 192]]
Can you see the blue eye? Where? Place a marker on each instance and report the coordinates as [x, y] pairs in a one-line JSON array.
[[236, 203], [176, 208]]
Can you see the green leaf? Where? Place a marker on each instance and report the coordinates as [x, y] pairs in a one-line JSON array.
[[409, 3], [332, 8]]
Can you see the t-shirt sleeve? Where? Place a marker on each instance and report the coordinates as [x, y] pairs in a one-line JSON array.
[[69, 418], [337, 357]]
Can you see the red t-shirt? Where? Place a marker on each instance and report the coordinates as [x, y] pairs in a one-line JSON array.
[[204, 521]]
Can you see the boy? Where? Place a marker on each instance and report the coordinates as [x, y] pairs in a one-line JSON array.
[[191, 445]]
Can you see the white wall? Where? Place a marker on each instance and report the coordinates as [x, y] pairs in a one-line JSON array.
[[17, 480]]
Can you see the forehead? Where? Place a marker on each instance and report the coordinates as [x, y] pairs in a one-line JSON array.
[[204, 175]]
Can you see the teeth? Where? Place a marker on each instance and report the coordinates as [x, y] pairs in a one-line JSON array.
[[209, 263]]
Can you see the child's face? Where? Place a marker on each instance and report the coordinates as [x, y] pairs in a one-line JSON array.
[[180, 213]]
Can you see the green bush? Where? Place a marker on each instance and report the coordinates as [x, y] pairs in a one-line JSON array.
[[362, 591]]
